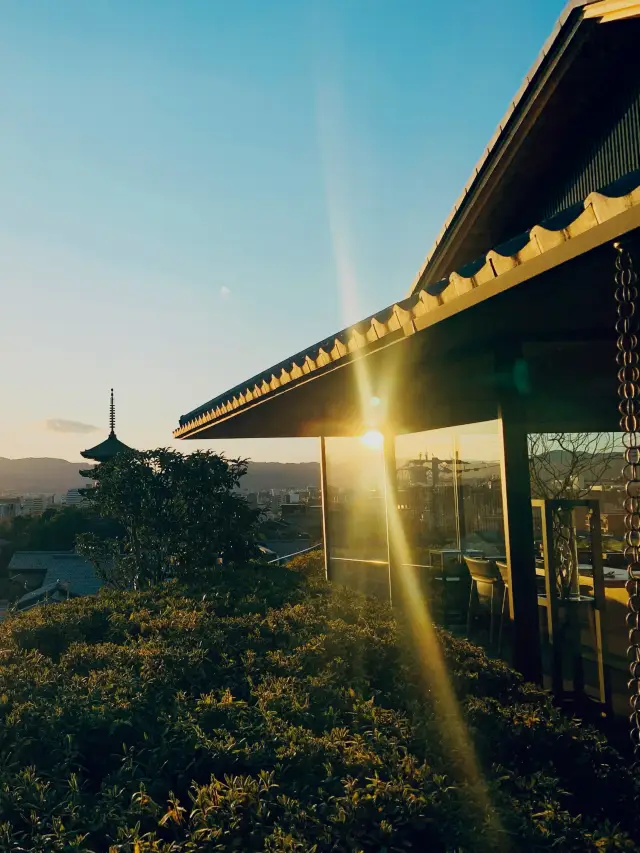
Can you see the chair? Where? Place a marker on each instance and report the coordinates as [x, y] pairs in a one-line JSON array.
[[445, 585], [503, 568], [482, 572]]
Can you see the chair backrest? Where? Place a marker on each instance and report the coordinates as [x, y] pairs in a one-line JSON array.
[[482, 571], [503, 568]]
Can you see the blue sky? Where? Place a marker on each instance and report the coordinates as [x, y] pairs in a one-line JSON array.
[[192, 191]]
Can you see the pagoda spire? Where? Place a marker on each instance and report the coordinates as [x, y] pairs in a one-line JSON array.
[[112, 416], [111, 446]]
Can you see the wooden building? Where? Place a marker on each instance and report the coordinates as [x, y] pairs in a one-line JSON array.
[[511, 321]]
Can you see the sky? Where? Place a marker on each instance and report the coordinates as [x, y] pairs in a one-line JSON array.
[[193, 191]]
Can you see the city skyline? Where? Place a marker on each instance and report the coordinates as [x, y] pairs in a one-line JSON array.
[[216, 185]]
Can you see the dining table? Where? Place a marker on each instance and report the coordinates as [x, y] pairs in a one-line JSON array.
[[612, 577]]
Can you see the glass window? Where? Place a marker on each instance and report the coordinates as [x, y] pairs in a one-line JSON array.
[[449, 492], [357, 518], [582, 466]]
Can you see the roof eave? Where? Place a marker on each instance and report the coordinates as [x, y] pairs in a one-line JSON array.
[[561, 37], [602, 219]]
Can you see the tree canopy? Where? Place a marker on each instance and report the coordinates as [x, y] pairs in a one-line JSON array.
[[180, 515], [56, 529]]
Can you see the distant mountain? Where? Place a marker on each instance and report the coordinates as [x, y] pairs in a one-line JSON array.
[[41, 476], [57, 476]]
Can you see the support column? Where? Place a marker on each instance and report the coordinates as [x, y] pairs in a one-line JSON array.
[[325, 510], [518, 528], [392, 515]]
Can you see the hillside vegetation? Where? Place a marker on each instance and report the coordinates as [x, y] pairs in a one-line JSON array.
[[272, 713]]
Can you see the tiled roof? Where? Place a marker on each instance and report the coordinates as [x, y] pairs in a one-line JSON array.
[[52, 592], [567, 13], [64, 566], [35, 561], [106, 450], [597, 208]]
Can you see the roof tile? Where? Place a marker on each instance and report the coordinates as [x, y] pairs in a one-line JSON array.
[[597, 208]]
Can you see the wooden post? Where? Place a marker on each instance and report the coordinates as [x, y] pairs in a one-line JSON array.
[[391, 514], [518, 532], [551, 589], [458, 498], [326, 535], [600, 604]]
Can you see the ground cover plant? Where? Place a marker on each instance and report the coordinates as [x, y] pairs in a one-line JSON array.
[[270, 712]]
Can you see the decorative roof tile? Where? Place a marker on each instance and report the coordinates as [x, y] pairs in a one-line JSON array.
[[597, 208]]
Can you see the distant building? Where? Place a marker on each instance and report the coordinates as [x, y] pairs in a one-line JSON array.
[[36, 504], [9, 508], [291, 510], [74, 497], [111, 446], [47, 594], [51, 576]]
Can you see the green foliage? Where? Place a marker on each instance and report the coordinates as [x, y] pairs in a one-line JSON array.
[[274, 713], [56, 529], [179, 515]]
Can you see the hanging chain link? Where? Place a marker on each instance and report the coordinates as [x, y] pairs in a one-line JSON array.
[[629, 406]]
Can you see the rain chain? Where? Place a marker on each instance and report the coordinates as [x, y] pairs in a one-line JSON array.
[[629, 407]]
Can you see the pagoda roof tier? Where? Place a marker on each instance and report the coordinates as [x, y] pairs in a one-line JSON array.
[[111, 446], [106, 450]]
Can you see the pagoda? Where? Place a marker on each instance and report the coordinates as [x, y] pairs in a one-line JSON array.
[[111, 446]]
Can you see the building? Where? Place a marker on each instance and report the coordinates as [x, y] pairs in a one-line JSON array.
[[10, 508], [36, 504], [74, 497], [111, 446], [509, 328], [51, 576]]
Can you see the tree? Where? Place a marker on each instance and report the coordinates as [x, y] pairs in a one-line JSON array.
[[56, 529], [179, 513], [566, 466]]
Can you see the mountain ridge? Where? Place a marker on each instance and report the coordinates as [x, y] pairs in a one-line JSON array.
[[50, 475]]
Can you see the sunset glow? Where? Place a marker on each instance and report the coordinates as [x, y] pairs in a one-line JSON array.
[[373, 439]]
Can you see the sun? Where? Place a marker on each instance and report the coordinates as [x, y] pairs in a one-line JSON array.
[[372, 439]]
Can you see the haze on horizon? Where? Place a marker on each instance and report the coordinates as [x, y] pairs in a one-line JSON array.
[[193, 192]]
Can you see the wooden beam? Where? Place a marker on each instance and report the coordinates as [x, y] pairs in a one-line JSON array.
[[518, 527], [613, 10]]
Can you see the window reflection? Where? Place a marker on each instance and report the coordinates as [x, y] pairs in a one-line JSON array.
[[449, 492], [356, 513], [582, 466]]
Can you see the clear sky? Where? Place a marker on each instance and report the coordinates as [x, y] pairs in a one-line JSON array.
[[193, 190]]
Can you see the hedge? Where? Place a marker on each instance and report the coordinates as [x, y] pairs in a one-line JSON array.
[[274, 713]]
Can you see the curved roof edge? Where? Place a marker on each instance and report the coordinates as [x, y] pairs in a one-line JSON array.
[[106, 450], [401, 317], [573, 6]]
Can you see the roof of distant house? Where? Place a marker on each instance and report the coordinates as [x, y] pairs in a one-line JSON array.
[[53, 592], [64, 566]]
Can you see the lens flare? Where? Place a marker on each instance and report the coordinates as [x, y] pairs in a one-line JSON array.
[[418, 621], [373, 439]]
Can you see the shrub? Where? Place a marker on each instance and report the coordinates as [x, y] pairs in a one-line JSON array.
[[167, 515], [275, 713]]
